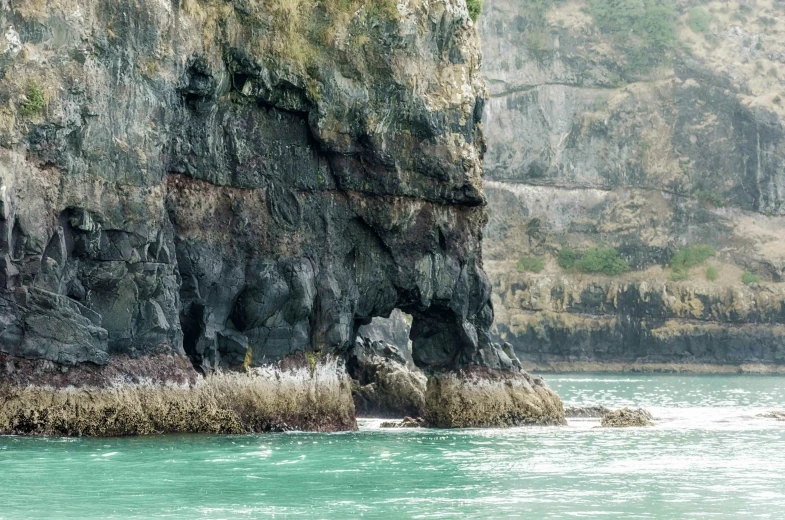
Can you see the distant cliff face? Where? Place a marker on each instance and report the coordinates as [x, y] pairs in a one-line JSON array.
[[646, 133], [238, 181]]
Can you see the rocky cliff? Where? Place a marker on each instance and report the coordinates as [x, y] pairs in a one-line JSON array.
[[200, 186], [643, 129]]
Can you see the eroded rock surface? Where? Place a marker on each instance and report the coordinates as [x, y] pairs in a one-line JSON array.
[[237, 183]]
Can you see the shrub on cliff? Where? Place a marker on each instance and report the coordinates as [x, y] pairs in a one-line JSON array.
[[644, 29], [709, 198], [748, 278], [688, 257], [567, 258], [677, 275], [530, 264], [698, 20], [35, 103], [475, 8], [602, 260], [711, 273]]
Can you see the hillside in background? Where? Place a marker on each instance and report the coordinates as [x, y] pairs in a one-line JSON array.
[[635, 182]]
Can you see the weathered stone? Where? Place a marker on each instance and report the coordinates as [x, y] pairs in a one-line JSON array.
[[407, 422], [775, 414], [386, 385], [482, 397], [586, 411], [627, 418]]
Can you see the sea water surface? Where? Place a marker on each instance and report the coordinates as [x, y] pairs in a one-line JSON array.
[[709, 456]]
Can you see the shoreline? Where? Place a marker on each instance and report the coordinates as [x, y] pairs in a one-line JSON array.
[[651, 368]]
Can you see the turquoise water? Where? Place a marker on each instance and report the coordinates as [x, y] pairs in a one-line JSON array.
[[708, 457]]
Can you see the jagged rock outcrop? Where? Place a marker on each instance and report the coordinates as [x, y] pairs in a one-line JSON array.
[[237, 183], [593, 142], [385, 383]]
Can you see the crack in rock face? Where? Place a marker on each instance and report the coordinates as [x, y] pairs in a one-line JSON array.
[[206, 181]]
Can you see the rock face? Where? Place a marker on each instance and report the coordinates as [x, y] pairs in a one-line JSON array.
[[587, 148], [236, 182]]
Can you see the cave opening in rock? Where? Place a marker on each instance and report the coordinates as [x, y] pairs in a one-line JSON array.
[[192, 324]]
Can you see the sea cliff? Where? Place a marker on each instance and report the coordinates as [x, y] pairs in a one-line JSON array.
[[201, 194]]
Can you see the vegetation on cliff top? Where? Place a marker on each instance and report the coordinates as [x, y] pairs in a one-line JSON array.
[[567, 258], [604, 260], [698, 20]]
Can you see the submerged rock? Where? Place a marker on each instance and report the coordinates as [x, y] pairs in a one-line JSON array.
[[586, 411], [626, 418], [779, 415], [407, 422]]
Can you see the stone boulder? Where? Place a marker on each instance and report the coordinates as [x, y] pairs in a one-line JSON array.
[[627, 418]]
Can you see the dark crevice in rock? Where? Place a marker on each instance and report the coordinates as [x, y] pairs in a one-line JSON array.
[[192, 323]]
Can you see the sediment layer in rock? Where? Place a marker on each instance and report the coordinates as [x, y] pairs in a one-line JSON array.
[[559, 321], [482, 397]]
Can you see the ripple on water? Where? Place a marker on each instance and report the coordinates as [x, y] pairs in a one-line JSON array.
[[709, 456]]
